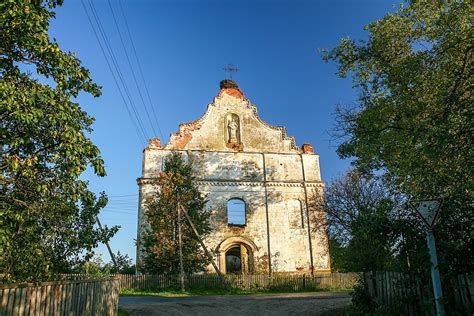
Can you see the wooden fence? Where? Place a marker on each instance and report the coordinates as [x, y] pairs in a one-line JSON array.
[[242, 281], [77, 297], [404, 294]]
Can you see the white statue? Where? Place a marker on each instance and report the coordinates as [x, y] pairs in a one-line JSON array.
[[233, 127]]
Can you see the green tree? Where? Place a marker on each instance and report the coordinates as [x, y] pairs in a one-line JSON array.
[[95, 266], [338, 256], [414, 119], [124, 264], [369, 227], [47, 214], [160, 242]]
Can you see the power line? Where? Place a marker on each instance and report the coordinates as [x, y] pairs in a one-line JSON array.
[[111, 71], [138, 124], [117, 67], [131, 67], [140, 68]]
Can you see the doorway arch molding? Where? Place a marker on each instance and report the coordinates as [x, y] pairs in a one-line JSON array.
[[230, 242], [248, 249]]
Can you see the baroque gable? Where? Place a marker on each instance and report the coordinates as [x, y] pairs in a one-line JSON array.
[[231, 123]]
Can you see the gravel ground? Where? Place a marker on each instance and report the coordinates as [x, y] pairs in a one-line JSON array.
[[315, 303]]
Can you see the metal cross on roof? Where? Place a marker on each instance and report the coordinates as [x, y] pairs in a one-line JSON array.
[[230, 68]]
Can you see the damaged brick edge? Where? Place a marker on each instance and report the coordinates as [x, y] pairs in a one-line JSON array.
[[179, 139]]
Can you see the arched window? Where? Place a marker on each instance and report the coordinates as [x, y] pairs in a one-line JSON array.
[[235, 212]]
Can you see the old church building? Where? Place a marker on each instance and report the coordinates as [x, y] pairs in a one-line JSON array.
[[258, 184]]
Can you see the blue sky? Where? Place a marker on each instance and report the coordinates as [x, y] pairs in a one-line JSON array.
[[182, 47]]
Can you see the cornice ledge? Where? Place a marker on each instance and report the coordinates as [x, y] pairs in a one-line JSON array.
[[229, 183], [211, 182]]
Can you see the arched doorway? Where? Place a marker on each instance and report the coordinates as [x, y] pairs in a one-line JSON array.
[[236, 255], [233, 260]]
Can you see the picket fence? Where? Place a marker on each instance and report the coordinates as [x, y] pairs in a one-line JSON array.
[[240, 281], [404, 294], [76, 297]]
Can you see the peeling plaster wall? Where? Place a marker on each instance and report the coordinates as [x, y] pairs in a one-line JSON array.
[[224, 172], [208, 132]]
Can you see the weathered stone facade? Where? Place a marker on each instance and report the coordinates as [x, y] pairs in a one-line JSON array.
[[236, 155]]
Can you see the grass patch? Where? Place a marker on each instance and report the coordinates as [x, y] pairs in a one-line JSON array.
[[215, 291], [121, 312]]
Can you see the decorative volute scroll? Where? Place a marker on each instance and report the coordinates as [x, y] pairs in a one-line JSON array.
[[233, 129]]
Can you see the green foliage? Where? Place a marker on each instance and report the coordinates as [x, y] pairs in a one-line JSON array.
[[95, 266], [369, 228], [47, 215], [124, 264], [362, 303], [160, 243], [339, 258], [122, 312], [414, 120]]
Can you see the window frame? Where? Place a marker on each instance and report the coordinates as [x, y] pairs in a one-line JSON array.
[[244, 215]]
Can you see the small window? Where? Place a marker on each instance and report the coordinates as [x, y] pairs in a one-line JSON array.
[[235, 212]]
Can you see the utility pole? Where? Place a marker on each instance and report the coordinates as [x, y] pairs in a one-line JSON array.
[[428, 210], [181, 268], [435, 278], [108, 246], [267, 216], [310, 243], [208, 254]]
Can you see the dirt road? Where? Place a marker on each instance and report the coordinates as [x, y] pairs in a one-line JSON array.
[[315, 303]]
